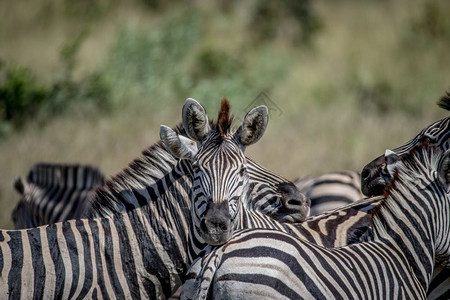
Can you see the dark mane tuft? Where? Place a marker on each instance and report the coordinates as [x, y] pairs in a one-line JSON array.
[[444, 101], [225, 118]]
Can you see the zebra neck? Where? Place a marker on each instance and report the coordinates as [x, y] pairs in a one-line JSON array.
[[406, 222], [197, 247], [139, 184]]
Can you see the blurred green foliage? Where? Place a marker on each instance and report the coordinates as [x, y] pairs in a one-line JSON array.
[[23, 98], [295, 20], [179, 56], [433, 21], [146, 64], [20, 98]]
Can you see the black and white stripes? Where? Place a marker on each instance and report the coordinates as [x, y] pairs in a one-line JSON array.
[[143, 237], [331, 190], [374, 179], [54, 192], [410, 234]]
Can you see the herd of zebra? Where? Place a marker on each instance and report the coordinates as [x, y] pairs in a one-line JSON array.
[[194, 218]]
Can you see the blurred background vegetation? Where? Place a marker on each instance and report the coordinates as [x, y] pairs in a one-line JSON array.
[[91, 81]]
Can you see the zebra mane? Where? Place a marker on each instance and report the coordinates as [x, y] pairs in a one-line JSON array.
[[148, 169], [225, 118], [444, 101]]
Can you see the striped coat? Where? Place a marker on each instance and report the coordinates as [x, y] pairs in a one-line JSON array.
[[410, 235], [53, 193]]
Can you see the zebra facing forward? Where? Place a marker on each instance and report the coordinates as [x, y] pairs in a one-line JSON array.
[[53, 193], [139, 248], [220, 178], [410, 233]]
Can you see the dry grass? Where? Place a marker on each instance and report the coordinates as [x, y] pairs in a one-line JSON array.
[[323, 126]]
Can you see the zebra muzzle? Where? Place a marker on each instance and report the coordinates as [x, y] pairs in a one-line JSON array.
[[216, 225]]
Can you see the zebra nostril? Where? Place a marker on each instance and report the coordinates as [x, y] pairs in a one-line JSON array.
[[295, 202]]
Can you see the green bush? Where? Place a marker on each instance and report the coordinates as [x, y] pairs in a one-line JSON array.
[[23, 99], [20, 97]]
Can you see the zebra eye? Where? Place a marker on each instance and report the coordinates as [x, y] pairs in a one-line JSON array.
[[195, 167]]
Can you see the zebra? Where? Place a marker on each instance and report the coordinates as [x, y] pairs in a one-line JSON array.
[[374, 178], [331, 190], [220, 179], [410, 234], [139, 233], [53, 193]]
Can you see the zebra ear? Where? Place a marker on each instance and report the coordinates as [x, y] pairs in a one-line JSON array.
[[391, 159], [180, 146], [253, 126], [194, 120], [444, 171]]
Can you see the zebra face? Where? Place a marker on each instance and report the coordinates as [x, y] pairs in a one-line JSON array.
[[374, 177], [218, 163], [220, 187]]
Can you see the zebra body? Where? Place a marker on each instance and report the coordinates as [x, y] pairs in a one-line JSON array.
[[53, 193], [86, 259], [410, 234], [331, 190]]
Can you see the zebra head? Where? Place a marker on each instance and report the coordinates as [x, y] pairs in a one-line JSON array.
[[426, 167], [374, 177], [219, 165]]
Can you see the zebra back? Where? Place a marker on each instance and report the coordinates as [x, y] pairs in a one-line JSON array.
[[54, 192], [331, 190]]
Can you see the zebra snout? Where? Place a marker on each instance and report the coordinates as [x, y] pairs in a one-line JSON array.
[[372, 180], [216, 225], [295, 205]]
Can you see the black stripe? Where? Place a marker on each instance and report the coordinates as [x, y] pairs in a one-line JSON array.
[[15, 274], [88, 272], [38, 262], [55, 253], [73, 255], [2, 239]]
